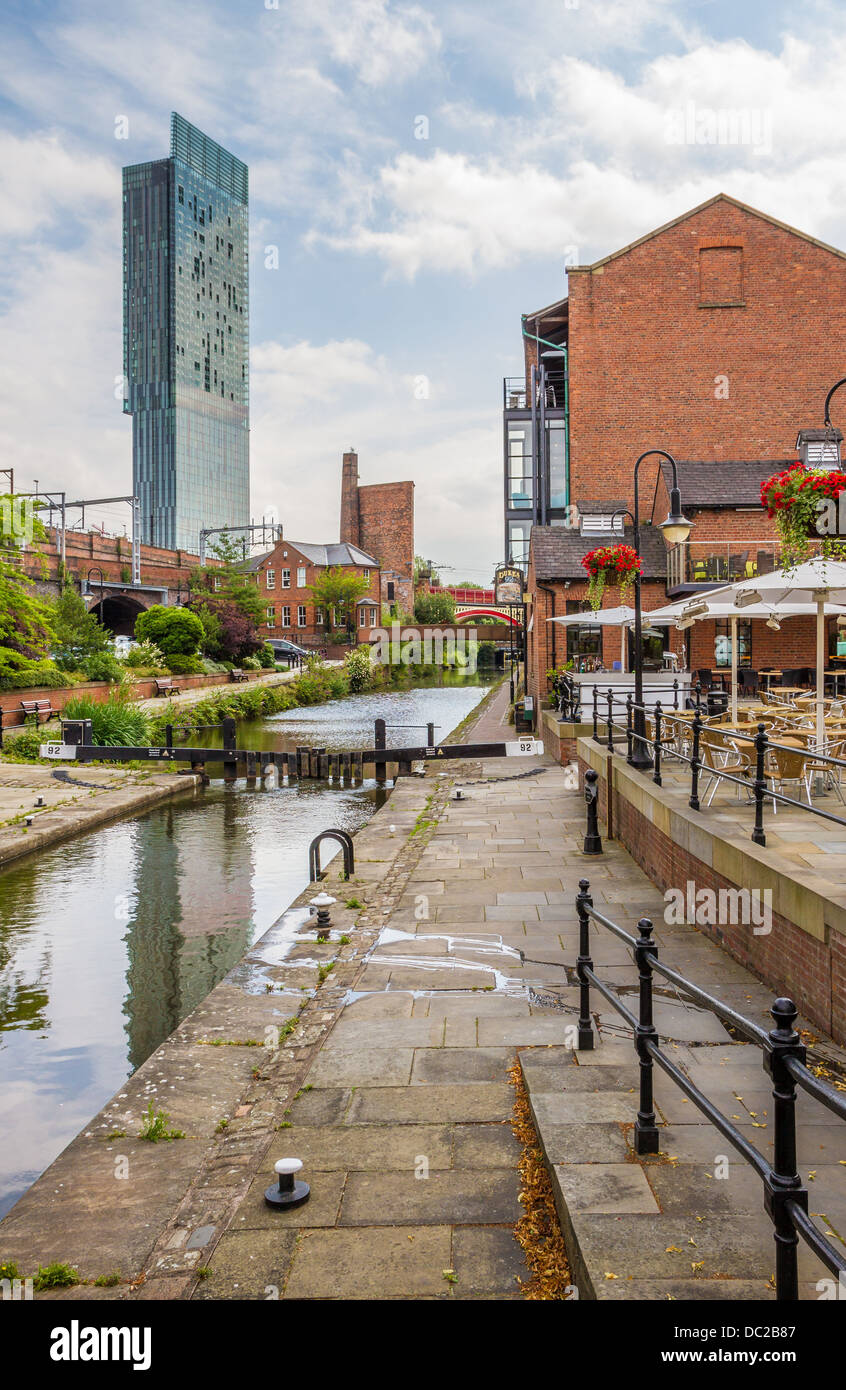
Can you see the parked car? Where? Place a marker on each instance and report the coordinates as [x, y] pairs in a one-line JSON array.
[[283, 650]]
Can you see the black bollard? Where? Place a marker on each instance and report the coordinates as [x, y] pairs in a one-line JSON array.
[[593, 844]]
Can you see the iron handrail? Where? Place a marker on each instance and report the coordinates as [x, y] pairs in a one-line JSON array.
[[785, 1196]]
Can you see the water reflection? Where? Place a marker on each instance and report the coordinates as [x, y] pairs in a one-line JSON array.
[[106, 943]]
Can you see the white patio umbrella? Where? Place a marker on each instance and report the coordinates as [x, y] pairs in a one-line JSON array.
[[718, 607], [621, 616], [818, 581]]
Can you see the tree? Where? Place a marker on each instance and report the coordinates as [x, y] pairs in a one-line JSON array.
[[175, 631], [26, 622], [229, 634], [78, 633], [434, 608], [339, 588]]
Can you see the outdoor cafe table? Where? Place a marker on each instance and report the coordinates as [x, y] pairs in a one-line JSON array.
[[768, 676], [836, 676]]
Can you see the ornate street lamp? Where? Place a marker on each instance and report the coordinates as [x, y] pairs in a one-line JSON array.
[[676, 529]]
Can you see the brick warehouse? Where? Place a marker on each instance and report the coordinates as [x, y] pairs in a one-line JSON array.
[[379, 518], [283, 576], [715, 337]]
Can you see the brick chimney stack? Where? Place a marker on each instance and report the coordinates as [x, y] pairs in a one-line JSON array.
[[350, 520]]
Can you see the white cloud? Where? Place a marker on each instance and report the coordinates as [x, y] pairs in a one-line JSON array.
[[312, 402], [44, 178], [381, 42]]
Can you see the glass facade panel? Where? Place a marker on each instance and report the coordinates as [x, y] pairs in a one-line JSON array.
[[521, 488], [557, 457], [186, 338]]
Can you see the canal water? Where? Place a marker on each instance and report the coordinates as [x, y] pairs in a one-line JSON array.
[[109, 941]]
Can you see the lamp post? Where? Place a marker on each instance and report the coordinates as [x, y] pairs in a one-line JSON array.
[[676, 529]]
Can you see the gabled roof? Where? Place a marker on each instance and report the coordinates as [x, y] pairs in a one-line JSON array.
[[734, 483], [683, 217], [558, 551], [337, 553]]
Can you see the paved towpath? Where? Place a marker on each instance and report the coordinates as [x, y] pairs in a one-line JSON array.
[[403, 1120]]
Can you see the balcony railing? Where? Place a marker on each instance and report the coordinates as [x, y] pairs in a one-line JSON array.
[[704, 563], [514, 394]]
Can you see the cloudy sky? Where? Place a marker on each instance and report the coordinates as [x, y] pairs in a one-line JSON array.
[[424, 171]]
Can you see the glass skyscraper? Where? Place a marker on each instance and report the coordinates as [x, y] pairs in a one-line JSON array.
[[186, 337]]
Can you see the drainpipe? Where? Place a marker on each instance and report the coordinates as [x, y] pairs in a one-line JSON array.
[[544, 590]]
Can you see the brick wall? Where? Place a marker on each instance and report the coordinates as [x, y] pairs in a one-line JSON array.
[[386, 529], [647, 341], [285, 562], [113, 554], [789, 960]]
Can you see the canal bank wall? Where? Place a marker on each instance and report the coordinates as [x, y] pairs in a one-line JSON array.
[[75, 799], [116, 1204]]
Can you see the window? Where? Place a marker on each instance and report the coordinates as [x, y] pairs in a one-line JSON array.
[[390, 590], [286, 616], [519, 464], [301, 576], [365, 575], [301, 615], [583, 639], [722, 642], [318, 616], [518, 543], [286, 579], [270, 578], [362, 616], [270, 614], [217, 581], [374, 615]]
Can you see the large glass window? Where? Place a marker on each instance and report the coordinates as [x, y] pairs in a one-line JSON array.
[[520, 479], [557, 463], [518, 542], [722, 643]]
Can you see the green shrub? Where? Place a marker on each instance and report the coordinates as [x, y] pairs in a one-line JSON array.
[[357, 666], [103, 666], [176, 631], [266, 657], [251, 663], [54, 1276], [180, 665], [114, 722], [18, 672], [143, 656], [23, 748]]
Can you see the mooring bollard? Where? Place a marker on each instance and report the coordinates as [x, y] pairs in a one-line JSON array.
[[323, 902], [288, 1191], [593, 844]]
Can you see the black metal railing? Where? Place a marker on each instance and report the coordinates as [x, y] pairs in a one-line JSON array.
[[755, 778], [785, 1196]]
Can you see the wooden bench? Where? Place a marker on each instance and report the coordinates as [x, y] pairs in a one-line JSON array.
[[167, 687], [238, 675], [38, 708]]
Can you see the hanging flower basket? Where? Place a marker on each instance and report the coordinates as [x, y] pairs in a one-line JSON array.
[[611, 564], [794, 500]]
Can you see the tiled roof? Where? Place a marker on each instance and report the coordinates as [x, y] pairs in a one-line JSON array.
[[339, 553], [735, 483], [558, 551]]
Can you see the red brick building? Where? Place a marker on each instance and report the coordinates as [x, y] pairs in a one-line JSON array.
[[379, 519], [283, 576], [715, 337]]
